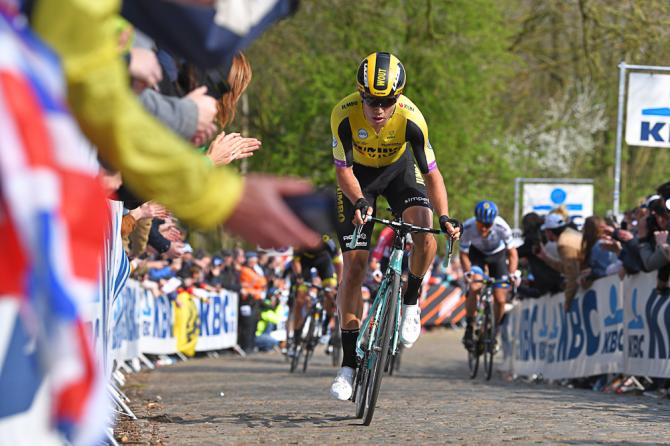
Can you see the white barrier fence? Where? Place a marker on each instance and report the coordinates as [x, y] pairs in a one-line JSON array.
[[144, 323], [613, 327]]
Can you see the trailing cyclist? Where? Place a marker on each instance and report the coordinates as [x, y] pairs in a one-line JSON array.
[[486, 243], [326, 259], [381, 147]]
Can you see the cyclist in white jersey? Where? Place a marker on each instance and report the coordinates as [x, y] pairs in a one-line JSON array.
[[486, 243]]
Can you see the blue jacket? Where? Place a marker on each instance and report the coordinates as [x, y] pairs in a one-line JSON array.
[[190, 31]]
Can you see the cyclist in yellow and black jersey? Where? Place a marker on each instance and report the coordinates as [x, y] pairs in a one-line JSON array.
[[327, 260], [381, 147]]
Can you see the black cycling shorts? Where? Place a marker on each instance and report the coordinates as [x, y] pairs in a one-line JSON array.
[[324, 268], [497, 262], [401, 184]]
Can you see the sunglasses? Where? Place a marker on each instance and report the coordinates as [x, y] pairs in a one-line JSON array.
[[373, 101], [481, 225]]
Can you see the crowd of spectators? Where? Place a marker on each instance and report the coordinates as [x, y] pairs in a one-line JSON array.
[[560, 255]]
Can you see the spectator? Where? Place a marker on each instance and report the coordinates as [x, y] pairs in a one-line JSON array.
[[253, 292], [161, 165], [270, 317], [653, 235], [542, 278], [595, 259], [568, 242]]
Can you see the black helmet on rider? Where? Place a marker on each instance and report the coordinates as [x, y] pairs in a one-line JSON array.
[[380, 79]]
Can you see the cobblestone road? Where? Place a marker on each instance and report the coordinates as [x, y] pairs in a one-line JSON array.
[[431, 401]]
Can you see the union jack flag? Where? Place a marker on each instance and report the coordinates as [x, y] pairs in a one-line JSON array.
[[53, 217]]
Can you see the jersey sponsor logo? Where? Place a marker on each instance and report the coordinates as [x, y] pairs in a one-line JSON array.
[[406, 106], [362, 133], [334, 142], [422, 200], [378, 152], [340, 206], [349, 104]]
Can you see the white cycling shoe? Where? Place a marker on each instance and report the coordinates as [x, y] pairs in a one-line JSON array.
[[410, 325], [343, 386]]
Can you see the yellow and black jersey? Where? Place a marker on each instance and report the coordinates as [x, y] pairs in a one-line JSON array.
[[355, 141], [327, 248]]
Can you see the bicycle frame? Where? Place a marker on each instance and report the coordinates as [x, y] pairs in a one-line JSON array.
[[380, 302]]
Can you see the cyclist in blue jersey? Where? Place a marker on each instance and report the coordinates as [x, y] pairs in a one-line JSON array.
[[486, 243]]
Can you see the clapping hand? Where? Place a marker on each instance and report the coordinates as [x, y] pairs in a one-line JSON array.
[[229, 147]]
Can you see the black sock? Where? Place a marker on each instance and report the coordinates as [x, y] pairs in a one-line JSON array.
[[412, 293], [326, 323], [469, 321], [349, 338]]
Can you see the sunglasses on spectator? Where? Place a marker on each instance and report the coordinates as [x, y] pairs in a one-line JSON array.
[[374, 101]]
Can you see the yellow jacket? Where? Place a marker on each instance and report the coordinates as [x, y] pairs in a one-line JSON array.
[[155, 163]]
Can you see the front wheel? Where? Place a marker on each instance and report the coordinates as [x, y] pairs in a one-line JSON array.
[[336, 343], [311, 339], [473, 357], [361, 388], [380, 349], [489, 338]]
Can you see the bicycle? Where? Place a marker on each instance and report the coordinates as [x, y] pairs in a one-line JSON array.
[[311, 330], [335, 342], [379, 333], [484, 328]]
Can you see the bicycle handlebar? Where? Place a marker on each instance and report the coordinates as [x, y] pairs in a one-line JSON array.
[[318, 287], [403, 228], [488, 280]]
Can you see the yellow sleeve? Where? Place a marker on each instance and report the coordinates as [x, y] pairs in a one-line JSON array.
[[339, 154], [417, 136], [155, 163]]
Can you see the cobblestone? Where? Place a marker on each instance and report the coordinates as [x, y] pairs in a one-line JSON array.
[[430, 401]]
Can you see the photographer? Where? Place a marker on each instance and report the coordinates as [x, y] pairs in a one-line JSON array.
[[653, 234], [542, 278]]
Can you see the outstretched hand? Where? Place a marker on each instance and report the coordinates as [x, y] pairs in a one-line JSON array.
[[227, 148], [262, 217]]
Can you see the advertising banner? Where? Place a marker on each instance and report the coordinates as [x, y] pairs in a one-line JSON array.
[[647, 327], [585, 340], [125, 326], [218, 320], [648, 112], [156, 336], [543, 197]]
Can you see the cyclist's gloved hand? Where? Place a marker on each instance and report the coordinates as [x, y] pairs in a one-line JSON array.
[[364, 209], [451, 226]]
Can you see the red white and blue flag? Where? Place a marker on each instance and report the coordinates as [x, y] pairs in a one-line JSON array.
[[52, 223]]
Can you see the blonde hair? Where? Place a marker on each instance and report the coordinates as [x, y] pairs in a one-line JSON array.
[[239, 78]]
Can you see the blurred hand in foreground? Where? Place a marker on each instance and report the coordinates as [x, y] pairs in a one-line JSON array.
[[262, 217], [144, 67], [207, 110]]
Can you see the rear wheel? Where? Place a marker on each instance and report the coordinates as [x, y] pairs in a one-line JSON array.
[[381, 349]]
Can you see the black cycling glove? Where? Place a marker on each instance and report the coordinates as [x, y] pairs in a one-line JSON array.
[[362, 205], [444, 219]]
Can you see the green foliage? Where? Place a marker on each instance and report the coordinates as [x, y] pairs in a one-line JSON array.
[[485, 74]]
